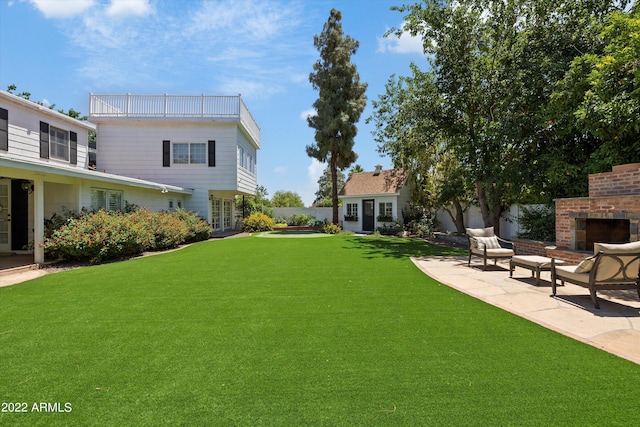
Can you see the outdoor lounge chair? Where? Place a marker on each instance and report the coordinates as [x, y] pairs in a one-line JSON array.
[[484, 243], [614, 266]]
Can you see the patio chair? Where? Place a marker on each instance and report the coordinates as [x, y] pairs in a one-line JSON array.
[[484, 243], [614, 266]]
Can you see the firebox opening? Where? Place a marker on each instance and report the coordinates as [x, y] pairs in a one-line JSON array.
[[606, 231]]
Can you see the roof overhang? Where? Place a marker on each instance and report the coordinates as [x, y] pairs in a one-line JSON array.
[[367, 196], [41, 109], [63, 170]]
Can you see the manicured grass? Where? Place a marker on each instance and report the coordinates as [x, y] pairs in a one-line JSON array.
[[336, 331]]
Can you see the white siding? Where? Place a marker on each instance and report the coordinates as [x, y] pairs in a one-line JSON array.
[[24, 132], [135, 149]]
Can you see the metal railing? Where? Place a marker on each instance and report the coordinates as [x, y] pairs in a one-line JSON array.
[[174, 106]]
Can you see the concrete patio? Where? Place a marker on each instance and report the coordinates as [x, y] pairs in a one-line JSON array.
[[614, 328]]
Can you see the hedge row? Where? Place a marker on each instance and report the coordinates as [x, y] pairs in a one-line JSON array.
[[106, 235]]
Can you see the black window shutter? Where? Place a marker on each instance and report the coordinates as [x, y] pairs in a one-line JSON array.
[[212, 153], [4, 129], [44, 140], [73, 146], [166, 153]]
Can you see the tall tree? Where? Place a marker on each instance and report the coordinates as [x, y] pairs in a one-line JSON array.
[[340, 103]]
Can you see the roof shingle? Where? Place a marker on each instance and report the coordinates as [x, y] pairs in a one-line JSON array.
[[364, 183]]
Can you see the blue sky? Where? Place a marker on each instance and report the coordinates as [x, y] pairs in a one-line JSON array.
[[62, 50]]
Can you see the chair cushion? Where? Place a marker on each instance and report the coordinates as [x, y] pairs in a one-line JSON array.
[[494, 253], [569, 272], [616, 248], [586, 265], [480, 232], [489, 242]]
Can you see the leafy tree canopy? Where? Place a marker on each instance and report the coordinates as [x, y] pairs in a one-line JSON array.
[[286, 199]]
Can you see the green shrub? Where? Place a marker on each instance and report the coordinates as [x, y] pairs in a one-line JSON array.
[[98, 236], [419, 221], [198, 228], [257, 222], [105, 235], [301, 220], [330, 228], [538, 223], [391, 229]]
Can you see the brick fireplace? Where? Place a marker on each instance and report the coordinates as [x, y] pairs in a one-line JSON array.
[[611, 214]]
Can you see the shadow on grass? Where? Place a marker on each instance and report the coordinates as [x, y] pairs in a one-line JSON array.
[[396, 247]]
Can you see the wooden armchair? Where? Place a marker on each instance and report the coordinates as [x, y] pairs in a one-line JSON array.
[[484, 243], [614, 266]]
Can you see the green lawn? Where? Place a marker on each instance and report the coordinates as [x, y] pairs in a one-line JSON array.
[[342, 330]]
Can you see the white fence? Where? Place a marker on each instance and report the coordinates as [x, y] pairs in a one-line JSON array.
[[509, 225]]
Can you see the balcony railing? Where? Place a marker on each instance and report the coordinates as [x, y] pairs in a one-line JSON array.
[[174, 106]]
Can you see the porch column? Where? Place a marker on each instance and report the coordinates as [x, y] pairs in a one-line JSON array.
[[38, 223]]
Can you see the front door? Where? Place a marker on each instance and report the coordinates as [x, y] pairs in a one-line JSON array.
[[5, 215], [20, 191], [368, 215]]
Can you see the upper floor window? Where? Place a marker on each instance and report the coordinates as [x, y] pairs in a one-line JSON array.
[[185, 153], [58, 143], [246, 160]]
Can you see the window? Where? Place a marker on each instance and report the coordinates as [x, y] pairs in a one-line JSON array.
[[185, 153], [240, 156], [246, 160], [352, 212], [4, 129], [58, 143], [102, 198], [197, 153], [385, 212]]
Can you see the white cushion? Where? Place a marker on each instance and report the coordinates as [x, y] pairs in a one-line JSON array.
[[481, 232], [489, 242], [616, 248]]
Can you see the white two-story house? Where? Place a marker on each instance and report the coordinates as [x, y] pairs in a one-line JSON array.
[[205, 143], [200, 163]]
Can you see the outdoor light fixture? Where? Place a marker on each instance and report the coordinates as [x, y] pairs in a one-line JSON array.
[[27, 186]]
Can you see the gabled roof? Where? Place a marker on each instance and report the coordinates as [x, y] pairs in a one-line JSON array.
[[388, 182]]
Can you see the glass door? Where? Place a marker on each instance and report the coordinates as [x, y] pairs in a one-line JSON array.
[[227, 215], [216, 213]]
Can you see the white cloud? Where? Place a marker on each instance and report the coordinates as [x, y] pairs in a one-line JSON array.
[[403, 44], [315, 170], [233, 47], [62, 8], [128, 8], [281, 170], [308, 113]]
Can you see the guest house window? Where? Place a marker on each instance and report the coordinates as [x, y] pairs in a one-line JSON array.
[[352, 212], [385, 212]]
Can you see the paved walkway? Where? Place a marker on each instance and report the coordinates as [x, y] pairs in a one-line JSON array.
[[614, 328]]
